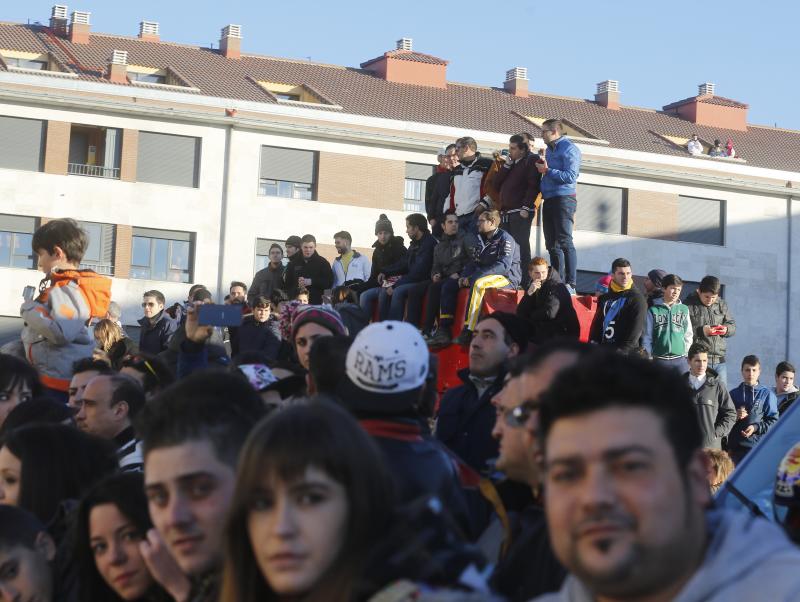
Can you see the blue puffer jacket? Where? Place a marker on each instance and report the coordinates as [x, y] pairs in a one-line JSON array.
[[762, 412], [498, 255], [563, 167]]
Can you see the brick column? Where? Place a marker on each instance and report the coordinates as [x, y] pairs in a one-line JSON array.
[[123, 247], [130, 150], [56, 150]]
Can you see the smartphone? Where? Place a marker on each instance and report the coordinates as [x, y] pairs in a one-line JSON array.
[[29, 293], [220, 315]]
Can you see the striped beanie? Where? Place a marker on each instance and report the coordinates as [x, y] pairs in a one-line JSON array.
[[324, 315]]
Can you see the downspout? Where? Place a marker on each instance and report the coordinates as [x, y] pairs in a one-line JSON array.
[[788, 271], [223, 218]]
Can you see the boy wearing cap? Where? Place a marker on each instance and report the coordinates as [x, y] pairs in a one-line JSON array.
[[654, 286]]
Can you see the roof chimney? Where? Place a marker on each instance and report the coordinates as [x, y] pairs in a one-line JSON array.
[[406, 66], [148, 31], [79, 28], [706, 89], [517, 81], [230, 44], [117, 72], [607, 94], [58, 19], [708, 109]]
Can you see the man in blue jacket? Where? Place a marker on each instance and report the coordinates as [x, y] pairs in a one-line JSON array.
[[756, 410], [559, 168]]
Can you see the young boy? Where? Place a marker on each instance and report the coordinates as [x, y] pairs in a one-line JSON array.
[[55, 333], [668, 329], [784, 389], [756, 410], [26, 555]]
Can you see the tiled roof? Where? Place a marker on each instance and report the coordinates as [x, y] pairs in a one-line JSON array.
[[408, 55], [362, 93], [708, 99]]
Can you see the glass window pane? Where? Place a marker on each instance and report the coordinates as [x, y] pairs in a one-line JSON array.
[[285, 189], [160, 259], [140, 273], [268, 188], [5, 248], [94, 232], [261, 262], [179, 258], [141, 251], [302, 191]]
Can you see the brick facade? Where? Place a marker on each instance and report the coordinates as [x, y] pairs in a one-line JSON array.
[[123, 247], [56, 150], [652, 214], [361, 181], [130, 148]]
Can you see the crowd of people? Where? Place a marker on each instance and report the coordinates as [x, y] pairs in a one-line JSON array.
[[307, 453]]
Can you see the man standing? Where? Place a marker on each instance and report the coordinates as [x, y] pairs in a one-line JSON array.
[[295, 256], [620, 316], [268, 279], [468, 196], [559, 168], [437, 189], [311, 271], [157, 327], [785, 391], [351, 267], [519, 180], [653, 286], [668, 329], [627, 498], [756, 410], [713, 322], [466, 415], [712, 401]]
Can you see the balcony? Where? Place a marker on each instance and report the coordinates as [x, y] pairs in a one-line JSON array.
[[92, 171], [103, 268]]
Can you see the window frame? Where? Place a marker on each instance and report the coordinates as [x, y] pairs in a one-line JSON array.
[[184, 276]]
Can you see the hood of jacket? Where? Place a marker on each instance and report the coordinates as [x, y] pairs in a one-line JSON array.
[[96, 288], [393, 241]]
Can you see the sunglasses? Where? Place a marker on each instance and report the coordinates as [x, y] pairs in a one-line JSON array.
[[518, 416]]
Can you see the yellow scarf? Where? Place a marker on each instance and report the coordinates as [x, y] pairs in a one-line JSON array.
[[616, 288]]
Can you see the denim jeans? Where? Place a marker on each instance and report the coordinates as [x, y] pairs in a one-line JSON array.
[[558, 219], [520, 230], [468, 223], [722, 371], [680, 364], [413, 294], [367, 300]]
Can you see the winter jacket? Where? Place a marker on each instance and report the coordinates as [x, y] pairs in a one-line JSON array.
[[452, 254], [120, 350], [747, 558], [437, 193], [468, 191], [549, 311], [619, 320], [353, 317], [55, 332], [563, 166], [253, 335], [358, 270], [717, 314], [264, 282], [762, 411], [466, 420], [667, 330], [317, 269], [785, 400], [289, 277], [497, 255], [416, 265], [519, 184], [715, 409], [383, 256], [154, 335]]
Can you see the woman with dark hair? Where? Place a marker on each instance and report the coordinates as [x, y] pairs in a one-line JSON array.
[[150, 371], [19, 382], [312, 497], [112, 519], [39, 410]]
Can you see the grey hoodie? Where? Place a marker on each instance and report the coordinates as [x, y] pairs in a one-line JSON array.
[[748, 559]]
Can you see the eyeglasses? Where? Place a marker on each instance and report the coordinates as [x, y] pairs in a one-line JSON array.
[[148, 304], [518, 416]]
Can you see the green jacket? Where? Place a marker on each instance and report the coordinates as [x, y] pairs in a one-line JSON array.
[[668, 330]]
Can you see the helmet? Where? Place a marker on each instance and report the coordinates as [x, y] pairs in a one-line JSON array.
[[786, 496]]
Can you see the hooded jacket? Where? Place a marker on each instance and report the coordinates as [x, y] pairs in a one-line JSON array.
[[667, 330], [55, 333], [468, 190], [762, 411], [549, 311], [785, 400], [358, 270], [717, 314], [747, 558], [619, 320], [496, 255], [382, 257], [416, 265], [155, 335], [715, 409], [563, 166], [452, 254]]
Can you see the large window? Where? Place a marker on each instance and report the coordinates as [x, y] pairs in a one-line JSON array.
[[287, 172], [600, 209], [161, 255], [168, 159], [21, 143], [99, 255], [94, 151], [16, 236], [414, 194], [701, 220]]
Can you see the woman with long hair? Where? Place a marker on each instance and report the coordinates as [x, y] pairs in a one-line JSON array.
[[312, 497], [112, 344]]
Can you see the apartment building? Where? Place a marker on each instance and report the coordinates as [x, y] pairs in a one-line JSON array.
[[185, 163]]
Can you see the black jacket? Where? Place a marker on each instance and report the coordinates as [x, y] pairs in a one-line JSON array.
[[619, 320], [315, 267], [416, 265], [264, 282], [715, 409], [452, 254], [549, 311], [716, 315], [382, 257], [254, 336], [154, 338], [437, 193], [466, 421], [120, 350]]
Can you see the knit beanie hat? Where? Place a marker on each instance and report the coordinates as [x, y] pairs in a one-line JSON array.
[[515, 327], [288, 311], [325, 316], [656, 276], [383, 225]]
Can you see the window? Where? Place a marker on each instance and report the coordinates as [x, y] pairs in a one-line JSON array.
[[168, 159], [161, 255], [16, 237], [262, 252], [287, 173], [147, 78], [601, 209], [414, 195], [94, 151], [701, 220], [21, 63], [21, 143], [99, 255], [289, 97]]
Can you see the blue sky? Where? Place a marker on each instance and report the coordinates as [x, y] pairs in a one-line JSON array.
[[658, 51]]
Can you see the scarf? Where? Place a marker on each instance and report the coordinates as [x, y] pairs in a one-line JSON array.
[[616, 288]]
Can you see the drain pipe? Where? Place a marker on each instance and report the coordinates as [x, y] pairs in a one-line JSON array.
[[788, 271], [223, 218]]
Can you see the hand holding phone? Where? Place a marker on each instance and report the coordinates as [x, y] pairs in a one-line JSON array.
[[29, 293], [220, 315]]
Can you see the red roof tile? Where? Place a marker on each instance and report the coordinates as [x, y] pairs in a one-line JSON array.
[[707, 99], [408, 55]]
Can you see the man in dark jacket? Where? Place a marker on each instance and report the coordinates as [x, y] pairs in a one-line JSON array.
[[756, 410], [712, 401], [466, 414], [437, 189], [311, 270], [388, 250], [547, 305], [621, 312], [157, 327], [268, 279], [256, 332], [414, 273], [518, 180], [468, 193], [712, 322]]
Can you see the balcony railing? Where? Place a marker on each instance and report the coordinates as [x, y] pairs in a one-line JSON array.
[[93, 171], [101, 268]]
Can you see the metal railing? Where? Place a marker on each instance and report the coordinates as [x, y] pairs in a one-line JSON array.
[[93, 171], [101, 268]]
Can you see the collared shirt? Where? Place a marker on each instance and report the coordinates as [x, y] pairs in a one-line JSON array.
[[481, 384], [697, 381]]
